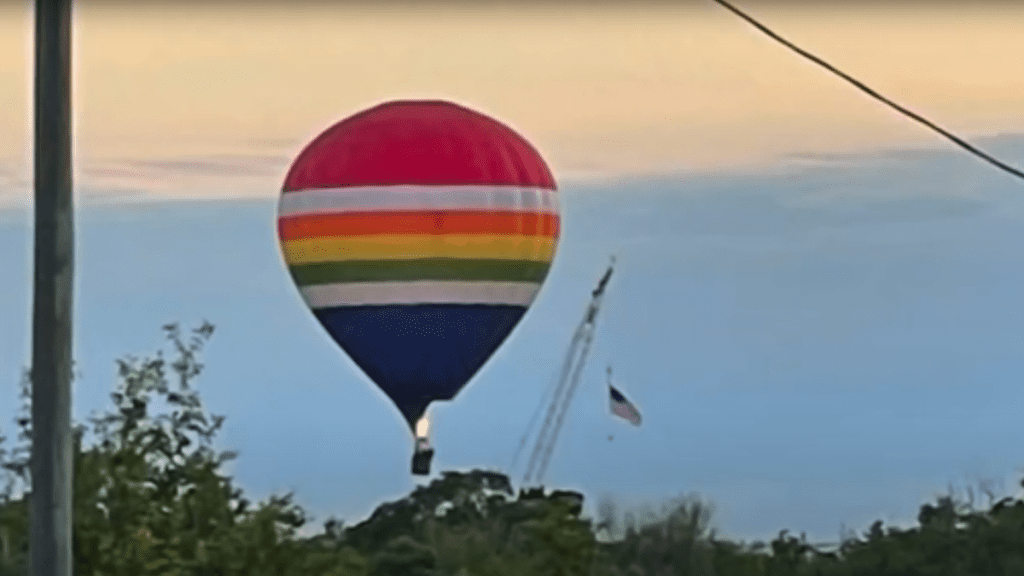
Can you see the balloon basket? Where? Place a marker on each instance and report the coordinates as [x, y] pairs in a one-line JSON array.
[[421, 459]]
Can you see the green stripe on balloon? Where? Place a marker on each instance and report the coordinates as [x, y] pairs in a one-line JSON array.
[[454, 269]]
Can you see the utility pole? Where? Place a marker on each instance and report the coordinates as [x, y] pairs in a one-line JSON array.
[[51, 459]]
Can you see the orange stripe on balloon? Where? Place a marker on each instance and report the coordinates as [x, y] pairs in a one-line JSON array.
[[418, 246]]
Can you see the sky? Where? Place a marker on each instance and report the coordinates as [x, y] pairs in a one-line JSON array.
[[178, 100], [817, 304]]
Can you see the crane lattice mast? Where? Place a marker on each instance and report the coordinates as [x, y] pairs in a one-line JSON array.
[[568, 381]]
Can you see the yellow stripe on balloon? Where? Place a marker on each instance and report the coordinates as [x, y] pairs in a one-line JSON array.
[[406, 246]]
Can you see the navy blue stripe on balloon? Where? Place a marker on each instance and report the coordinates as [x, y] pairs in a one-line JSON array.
[[420, 353]]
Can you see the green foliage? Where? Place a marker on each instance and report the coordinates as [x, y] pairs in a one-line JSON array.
[[149, 493], [151, 498], [471, 524], [677, 539], [404, 556]]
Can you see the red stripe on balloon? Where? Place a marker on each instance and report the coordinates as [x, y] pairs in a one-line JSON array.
[[429, 143], [418, 222]]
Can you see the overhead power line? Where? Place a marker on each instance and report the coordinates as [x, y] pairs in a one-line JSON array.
[[870, 92]]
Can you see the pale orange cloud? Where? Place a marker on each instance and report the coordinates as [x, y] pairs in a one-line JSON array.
[[598, 90]]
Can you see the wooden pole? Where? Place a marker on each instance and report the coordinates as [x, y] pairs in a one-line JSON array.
[[51, 459]]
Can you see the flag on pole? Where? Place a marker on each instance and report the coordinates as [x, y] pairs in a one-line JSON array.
[[623, 408]]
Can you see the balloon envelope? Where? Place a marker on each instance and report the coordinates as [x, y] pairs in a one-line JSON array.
[[419, 232]]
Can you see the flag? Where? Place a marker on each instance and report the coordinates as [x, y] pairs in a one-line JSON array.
[[623, 408]]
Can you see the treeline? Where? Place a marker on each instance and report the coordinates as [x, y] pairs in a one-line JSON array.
[[151, 499]]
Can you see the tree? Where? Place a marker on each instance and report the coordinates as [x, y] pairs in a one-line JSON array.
[[677, 539], [149, 493]]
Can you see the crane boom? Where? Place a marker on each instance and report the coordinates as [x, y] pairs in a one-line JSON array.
[[568, 382], [574, 384], [554, 391], [544, 437]]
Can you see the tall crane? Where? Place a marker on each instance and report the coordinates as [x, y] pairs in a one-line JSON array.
[[565, 388]]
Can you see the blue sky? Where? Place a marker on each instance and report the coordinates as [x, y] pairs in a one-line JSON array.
[[813, 344]]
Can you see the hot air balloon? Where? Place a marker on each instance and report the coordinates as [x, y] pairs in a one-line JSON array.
[[418, 233]]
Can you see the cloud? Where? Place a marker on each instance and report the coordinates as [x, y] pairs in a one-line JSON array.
[[840, 192], [211, 165], [1009, 145], [803, 193], [943, 168], [211, 176]]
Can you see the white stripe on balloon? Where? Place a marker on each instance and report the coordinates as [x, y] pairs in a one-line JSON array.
[[404, 197], [419, 292]]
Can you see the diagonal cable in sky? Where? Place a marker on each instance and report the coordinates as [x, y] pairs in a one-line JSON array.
[[863, 88]]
